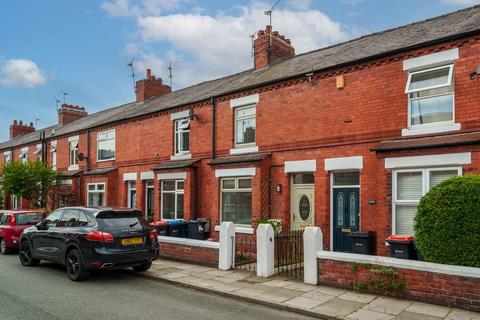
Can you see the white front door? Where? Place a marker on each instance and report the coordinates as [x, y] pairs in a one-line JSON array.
[[302, 202]]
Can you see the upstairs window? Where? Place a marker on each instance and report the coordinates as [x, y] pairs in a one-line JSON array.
[[53, 150], [106, 145], [73, 146], [7, 158], [24, 155], [39, 152], [431, 96], [182, 136], [245, 124]]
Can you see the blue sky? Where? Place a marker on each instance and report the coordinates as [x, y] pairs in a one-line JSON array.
[[83, 47]]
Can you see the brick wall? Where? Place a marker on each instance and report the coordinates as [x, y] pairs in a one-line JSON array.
[[431, 287], [194, 254]]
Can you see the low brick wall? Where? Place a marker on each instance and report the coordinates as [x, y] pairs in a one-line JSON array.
[[408, 279], [199, 252]]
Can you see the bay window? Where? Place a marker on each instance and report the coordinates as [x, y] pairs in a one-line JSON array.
[[236, 200], [409, 186], [106, 145], [245, 126], [96, 194], [172, 199], [431, 96]]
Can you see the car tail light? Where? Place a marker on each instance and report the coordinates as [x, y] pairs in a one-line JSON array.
[[153, 234], [100, 236]]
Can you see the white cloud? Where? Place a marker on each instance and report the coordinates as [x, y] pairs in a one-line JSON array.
[[21, 73], [219, 45], [352, 2], [300, 4], [460, 2], [124, 8]]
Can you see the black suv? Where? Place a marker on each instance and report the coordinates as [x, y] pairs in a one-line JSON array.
[[85, 239]]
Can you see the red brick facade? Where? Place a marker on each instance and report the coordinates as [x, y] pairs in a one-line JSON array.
[[194, 254], [304, 118]]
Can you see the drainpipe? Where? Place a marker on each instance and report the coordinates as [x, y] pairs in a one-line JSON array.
[[195, 194], [212, 102]]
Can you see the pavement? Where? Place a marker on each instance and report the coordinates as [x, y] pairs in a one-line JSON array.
[[294, 296], [46, 293]]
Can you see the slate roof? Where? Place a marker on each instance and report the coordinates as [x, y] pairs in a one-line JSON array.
[[99, 172], [442, 28], [175, 164], [244, 158], [428, 142]]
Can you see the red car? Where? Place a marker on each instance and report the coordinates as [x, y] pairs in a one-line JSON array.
[[12, 223]]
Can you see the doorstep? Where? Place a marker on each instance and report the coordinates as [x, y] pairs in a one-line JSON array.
[[286, 294]]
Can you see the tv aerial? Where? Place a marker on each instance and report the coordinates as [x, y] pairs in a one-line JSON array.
[[269, 12], [65, 94], [56, 101]]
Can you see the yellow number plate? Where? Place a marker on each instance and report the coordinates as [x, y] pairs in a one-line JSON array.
[[132, 241]]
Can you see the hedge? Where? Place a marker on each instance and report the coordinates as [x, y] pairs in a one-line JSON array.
[[447, 224]]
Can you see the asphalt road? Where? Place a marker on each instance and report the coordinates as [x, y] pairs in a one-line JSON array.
[[45, 293]]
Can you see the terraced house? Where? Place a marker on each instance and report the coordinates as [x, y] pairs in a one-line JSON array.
[[347, 137]]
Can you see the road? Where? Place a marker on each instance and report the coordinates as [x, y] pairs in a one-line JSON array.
[[45, 293]]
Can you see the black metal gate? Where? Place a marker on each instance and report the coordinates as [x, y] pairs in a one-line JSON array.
[[289, 254], [245, 253]]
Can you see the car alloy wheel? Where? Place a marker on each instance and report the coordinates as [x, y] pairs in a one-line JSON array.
[[73, 264], [75, 269], [25, 255]]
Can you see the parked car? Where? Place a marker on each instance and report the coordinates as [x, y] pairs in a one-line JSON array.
[[12, 223], [86, 239]]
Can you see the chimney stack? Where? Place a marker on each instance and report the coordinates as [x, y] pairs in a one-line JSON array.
[[151, 87], [17, 128], [270, 46], [68, 113]]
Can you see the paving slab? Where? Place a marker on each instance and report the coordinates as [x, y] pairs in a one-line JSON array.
[[337, 307], [363, 314], [406, 315], [457, 314], [429, 309], [302, 303], [357, 297], [387, 305]]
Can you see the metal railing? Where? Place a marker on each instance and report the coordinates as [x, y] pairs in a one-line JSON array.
[[289, 254]]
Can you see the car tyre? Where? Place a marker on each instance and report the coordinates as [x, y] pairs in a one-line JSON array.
[[143, 267], [25, 255], [3, 248], [75, 269]]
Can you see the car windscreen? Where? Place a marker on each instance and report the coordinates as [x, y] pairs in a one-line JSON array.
[[121, 219], [29, 218]]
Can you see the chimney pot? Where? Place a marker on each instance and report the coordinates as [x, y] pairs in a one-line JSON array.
[[150, 87], [31, 124], [21, 122], [15, 122], [270, 47]]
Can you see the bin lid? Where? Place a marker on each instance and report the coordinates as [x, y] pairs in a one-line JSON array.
[[400, 238], [159, 223], [358, 234], [175, 222]]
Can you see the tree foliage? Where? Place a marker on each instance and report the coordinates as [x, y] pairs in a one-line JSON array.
[[33, 181], [447, 224]]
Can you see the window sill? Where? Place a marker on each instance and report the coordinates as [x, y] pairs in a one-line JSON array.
[[73, 168], [431, 129], [244, 230], [106, 160], [181, 156], [244, 150]]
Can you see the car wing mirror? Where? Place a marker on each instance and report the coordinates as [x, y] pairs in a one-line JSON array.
[[40, 225]]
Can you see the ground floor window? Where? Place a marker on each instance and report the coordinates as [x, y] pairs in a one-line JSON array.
[[96, 194], [409, 186], [236, 200], [172, 199], [132, 194]]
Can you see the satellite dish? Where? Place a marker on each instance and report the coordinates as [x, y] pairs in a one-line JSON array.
[[81, 157]]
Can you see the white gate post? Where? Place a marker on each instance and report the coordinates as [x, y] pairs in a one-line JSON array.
[[227, 243], [312, 243], [265, 250]]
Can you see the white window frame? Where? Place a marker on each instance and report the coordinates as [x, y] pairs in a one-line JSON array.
[[410, 99], [411, 74], [73, 158], [236, 118], [176, 192], [53, 150], [38, 152], [425, 187], [181, 126], [7, 157], [24, 155], [236, 189], [104, 191], [131, 186], [114, 145]]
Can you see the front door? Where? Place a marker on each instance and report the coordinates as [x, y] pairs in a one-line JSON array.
[[345, 217], [302, 202], [149, 201]]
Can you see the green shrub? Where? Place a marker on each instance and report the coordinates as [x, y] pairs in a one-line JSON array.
[[447, 224]]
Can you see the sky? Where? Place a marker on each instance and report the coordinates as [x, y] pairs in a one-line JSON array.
[[48, 47]]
